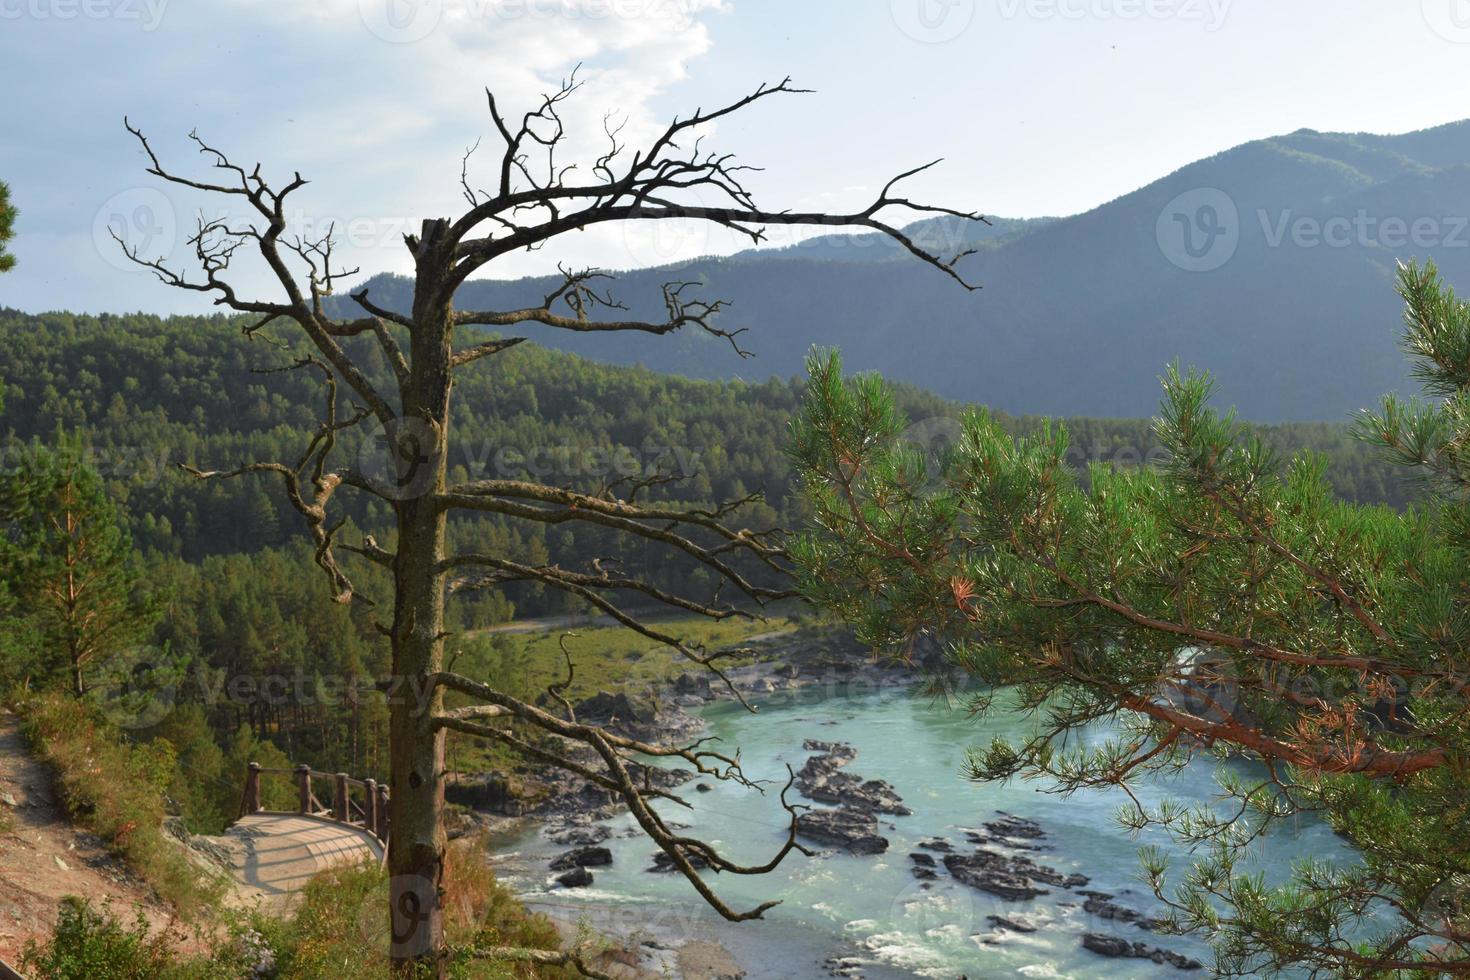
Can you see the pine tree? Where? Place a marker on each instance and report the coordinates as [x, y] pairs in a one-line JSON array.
[[1220, 602], [68, 559], [8, 214]]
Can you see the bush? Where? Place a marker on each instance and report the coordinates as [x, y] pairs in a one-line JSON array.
[[341, 927], [115, 789], [92, 944]]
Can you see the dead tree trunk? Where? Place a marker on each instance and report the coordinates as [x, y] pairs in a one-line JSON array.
[[531, 203], [419, 448]]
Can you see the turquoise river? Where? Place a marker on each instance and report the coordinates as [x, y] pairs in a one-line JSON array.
[[871, 909]]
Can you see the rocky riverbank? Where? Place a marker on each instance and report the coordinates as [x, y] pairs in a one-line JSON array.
[[1003, 857], [807, 664]]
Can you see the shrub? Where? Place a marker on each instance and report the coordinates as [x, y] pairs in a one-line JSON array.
[[92, 944], [115, 789], [340, 927]]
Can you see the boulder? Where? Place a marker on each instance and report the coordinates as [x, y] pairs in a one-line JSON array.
[[490, 792], [604, 707], [591, 856], [580, 835], [1010, 825], [1115, 946], [575, 878], [991, 873], [822, 779], [1014, 925], [853, 829], [1101, 905], [839, 753], [1107, 945], [664, 864], [694, 684]]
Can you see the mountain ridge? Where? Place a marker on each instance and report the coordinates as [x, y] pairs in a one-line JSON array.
[[1080, 314]]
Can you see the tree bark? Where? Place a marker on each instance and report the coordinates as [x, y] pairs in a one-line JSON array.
[[416, 846]]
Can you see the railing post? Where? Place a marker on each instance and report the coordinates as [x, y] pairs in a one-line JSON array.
[[382, 828], [251, 803], [303, 789], [370, 808], [340, 809]]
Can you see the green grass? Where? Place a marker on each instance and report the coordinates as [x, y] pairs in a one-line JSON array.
[[605, 658], [340, 928], [115, 789]]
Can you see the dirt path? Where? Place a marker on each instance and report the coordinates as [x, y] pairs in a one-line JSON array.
[[44, 858]]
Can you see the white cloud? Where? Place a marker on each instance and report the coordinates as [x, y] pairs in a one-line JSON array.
[[400, 142]]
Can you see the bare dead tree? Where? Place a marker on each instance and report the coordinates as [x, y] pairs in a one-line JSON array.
[[533, 198]]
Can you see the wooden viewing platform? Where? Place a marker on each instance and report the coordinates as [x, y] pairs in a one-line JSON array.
[[371, 815], [280, 851]]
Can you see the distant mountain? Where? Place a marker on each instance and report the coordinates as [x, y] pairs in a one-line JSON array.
[[1270, 264]]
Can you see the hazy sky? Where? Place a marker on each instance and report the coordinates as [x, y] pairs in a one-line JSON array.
[[1038, 106]]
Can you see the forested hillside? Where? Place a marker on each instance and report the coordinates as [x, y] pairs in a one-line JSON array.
[[143, 394], [1290, 306], [148, 393]]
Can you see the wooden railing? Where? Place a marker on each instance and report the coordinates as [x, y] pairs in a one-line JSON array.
[[371, 814]]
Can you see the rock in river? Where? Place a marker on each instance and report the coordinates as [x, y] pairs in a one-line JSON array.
[[991, 873], [823, 779], [663, 863], [582, 857], [856, 830], [1105, 945], [575, 878]]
